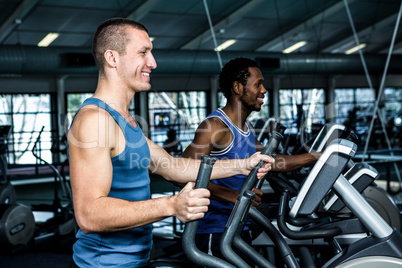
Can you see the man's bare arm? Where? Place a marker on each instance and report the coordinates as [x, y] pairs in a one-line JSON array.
[[203, 144], [184, 170], [92, 139], [285, 163]]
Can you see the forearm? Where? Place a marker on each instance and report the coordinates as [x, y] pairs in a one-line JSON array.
[[230, 167], [223, 194], [218, 192], [107, 214], [285, 163], [183, 170]]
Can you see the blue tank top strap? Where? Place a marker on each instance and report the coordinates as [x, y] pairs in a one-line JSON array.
[[222, 115], [101, 104]]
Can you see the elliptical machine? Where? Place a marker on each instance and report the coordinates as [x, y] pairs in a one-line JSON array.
[[332, 209], [17, 223], [361, 175], [381, 248], [62, 222], [236, 222], [18, 228]]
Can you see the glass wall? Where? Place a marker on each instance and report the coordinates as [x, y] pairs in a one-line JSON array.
[[181, 111], [28, 115], [393, 115], [74, 101], [301, 109], [354, 109], [393, 103]]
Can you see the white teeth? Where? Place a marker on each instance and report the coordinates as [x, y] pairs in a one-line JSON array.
[[145, 74]]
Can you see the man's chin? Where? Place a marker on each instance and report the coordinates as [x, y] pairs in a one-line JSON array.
[[145, 88]]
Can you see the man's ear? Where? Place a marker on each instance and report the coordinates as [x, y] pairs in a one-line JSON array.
[[237, 88], [111, 58]]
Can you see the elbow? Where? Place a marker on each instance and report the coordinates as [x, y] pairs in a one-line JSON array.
[[86, 224], [179, 184]]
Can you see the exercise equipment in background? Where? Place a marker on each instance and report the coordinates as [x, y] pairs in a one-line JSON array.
[[17, 223]]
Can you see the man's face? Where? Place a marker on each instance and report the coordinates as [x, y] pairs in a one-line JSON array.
[[136, 65], [254, 91]]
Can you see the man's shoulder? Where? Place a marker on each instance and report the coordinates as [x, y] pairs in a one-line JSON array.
[[91, 112], [213, 123], [91, 119]]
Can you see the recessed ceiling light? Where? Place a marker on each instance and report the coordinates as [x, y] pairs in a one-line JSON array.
[[49, 38], [354, 49], [294, 47], [225, 45]]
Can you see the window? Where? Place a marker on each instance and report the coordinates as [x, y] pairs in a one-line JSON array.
[[354, 108], [392, 116], [393, 103], [181, 111], [27, 114], [74, 101], [301, 109]]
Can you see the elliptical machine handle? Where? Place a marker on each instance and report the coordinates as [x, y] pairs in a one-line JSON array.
[[188, 240], [204, 172], [305, 234], [269, 149], [36, 142]]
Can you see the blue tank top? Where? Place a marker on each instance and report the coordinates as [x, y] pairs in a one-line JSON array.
[[242, 146], [128, 248]]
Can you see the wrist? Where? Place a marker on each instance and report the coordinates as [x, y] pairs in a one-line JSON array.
[[171, 208], [241, 166], [315, 156]]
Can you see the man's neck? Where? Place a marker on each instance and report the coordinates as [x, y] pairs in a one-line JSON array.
[[115, 97], [237, 114]]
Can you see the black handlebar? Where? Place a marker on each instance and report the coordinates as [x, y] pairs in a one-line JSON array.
[[233, 228], [204, 172], [243, 209], [299, 235], [35, 144], [269, 149], [188, 240]]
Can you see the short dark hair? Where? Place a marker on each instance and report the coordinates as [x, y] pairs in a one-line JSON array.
[[235, 70], [112, 34]]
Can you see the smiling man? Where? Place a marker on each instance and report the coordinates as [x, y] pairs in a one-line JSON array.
[[110, 159], [226, 134]]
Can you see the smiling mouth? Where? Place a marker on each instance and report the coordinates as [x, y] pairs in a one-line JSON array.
[[145, 74]]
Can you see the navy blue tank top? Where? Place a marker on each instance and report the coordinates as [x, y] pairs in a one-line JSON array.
[[128, 248], [241, 147]]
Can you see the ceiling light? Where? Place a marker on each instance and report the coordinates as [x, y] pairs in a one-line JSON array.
[[354, 49], [49, 38], [294, 47], [225, 45]]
